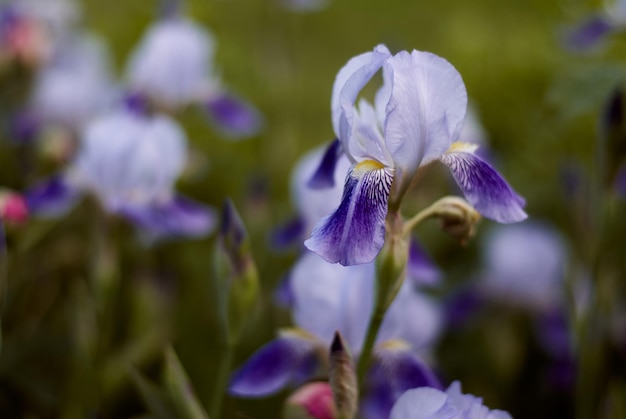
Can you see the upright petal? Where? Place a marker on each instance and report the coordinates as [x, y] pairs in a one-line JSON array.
[[426, 110], [286, 360], [348, 83], [355, 232], [234, 117], [483, 186]]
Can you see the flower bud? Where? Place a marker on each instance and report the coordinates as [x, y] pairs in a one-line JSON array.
[[12, 207], [457, 217], [343, 379], [311, 401]]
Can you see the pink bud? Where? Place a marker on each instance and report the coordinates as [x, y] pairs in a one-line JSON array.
[[13, 208], [311, 401]]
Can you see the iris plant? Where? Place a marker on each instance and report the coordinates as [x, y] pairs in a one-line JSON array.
[[329, 298], [416, 119], [173, 65], [130, 160]]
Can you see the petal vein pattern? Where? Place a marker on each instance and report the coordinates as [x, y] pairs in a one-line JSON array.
[[483, 186], [355, 232]]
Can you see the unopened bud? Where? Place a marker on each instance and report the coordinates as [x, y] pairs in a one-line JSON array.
[[343, 379], [311, 401], [457, 217], [13, 207]]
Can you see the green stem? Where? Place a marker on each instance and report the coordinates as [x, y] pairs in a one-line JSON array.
[[376, 320], [221, 378]]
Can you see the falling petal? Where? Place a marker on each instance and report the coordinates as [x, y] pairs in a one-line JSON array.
[[234, 117], [355, 232], [289, 359], [483, 186]]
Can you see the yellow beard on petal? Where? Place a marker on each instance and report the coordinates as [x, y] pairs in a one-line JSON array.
[[366, 166], [460, 147]]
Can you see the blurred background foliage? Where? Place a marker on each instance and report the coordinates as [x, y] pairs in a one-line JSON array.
[[63, 355]]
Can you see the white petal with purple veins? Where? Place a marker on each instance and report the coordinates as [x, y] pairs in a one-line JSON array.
[[483, 186], [355, 232]]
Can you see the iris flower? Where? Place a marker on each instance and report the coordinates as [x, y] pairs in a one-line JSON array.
[[329, 298], [130, 161], [173, 65], [594, 29], [431, 403], [417, 117]]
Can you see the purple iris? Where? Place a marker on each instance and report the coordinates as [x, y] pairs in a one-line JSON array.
[[431, 403], [417, 117], [173, 65], [329, 298], [130, 161]]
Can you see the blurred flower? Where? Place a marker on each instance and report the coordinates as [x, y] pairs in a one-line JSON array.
[[305, 6], [311, 401], [430, 403], [525, 265], [417, 118], [593, 29], [74, 85], [13, 210], [329, 298], [22, 38], [173, 65], [130, 161]]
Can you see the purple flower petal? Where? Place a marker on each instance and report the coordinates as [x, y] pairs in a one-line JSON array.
[[395, 370], [462, 306], [284, 295], [483, 186], [25, 126], [420, 268], [355, 232], [234, 117], [289, 359], [324, 176], [288, 234], [52, 197], [179, 217], [587, 34], [349, 81]]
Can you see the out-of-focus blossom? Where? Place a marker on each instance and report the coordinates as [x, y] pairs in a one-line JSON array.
[[13, 210], [328, 298], [416, 120], [130, 161], [74, 85], [173, 65], [30, 29], [430, 403], [525, 265], [311, 401], [305, 6], [594, 29]]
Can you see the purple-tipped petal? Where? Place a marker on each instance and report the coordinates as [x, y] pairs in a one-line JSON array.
[[178, 217], [289, 359], [234, 117], [355, 232], [52, 197], [288, 234], [420, 268], [324, 176], [394, 371], [587, 34], [483, 186]]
